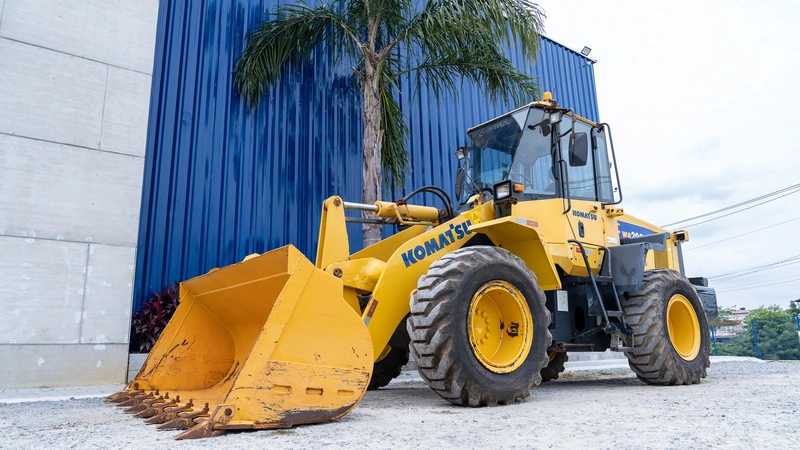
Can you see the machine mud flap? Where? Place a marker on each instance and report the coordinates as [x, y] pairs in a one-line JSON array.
[[266, 343]]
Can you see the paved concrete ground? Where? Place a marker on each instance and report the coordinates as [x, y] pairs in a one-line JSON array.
[[577, 363], [742, 404]]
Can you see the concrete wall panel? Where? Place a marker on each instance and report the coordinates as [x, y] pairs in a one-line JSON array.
[[64, 192], [74, 97], [42, 280], [30, 366], [117, 32], [49, 95], [107, 305], [125, 112]]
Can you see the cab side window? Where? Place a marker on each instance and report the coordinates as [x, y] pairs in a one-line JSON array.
[[582, 181], [604, 183]]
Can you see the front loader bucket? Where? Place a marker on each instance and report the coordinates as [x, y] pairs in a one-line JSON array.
[[266, 343]]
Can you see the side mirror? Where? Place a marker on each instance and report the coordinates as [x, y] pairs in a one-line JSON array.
[[460, 174], [545, 130], [578, 149], [461, 153]]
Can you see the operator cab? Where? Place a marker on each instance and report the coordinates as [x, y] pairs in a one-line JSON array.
[[539, 151]]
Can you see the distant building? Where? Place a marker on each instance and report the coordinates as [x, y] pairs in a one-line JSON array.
[[727, 329]]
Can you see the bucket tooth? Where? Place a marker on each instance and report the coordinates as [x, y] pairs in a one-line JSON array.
[[203, 429], [184, 420], [137, 399], [170, 413], [157, 407], [206, 427], [144, 405], [123, 395]]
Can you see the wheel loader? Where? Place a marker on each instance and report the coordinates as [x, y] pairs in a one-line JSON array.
[[534, 260]]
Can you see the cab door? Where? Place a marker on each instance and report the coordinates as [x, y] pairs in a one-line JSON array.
[[583, 189]]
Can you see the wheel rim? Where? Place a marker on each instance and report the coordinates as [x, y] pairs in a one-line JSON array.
[[500, 326], [683, 327]]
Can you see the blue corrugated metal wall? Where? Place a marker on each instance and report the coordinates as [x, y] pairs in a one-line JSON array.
[[222, 181]]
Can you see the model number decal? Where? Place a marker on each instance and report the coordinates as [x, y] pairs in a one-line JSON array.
[[629, 230]]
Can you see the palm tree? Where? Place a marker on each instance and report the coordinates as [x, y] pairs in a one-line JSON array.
[[442, 44]]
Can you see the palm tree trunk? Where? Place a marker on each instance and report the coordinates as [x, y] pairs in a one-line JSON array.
[[373, 137]]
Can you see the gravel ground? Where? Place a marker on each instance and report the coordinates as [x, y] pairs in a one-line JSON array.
[[742, 404]]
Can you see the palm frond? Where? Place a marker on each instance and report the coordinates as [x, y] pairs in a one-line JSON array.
[[394, 157], [511, 23], [479, 61], [288, 39]]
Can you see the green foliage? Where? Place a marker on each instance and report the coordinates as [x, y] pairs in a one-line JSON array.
[[440, 46], [776, 333], [794, 308]]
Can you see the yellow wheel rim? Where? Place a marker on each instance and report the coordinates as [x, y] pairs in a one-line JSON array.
[[683, 327], [500, 326]]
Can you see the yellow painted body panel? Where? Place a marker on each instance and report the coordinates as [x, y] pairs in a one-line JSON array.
[[333, 245]]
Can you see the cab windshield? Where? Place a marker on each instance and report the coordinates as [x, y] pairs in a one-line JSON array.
[[516, 147]]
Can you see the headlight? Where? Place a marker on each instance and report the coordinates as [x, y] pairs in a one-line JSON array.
[[502, 190]]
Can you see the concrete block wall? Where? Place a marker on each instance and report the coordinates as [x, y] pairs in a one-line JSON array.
[[74, 96]]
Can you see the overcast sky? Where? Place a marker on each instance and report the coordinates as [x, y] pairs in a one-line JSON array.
[[703, 100]]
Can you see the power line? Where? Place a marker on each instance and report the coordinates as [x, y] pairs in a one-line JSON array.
[[737, 276], [759, 286], [749, 282], [740, 235], [743, 209], [746, 202], [757, 268]]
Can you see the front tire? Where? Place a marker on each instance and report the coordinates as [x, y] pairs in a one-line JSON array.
[[479, 327], [671, 334]]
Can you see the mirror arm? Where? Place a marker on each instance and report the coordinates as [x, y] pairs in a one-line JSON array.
[[616, 169]]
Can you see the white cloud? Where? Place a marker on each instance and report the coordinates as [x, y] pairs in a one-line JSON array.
[[703, 100]]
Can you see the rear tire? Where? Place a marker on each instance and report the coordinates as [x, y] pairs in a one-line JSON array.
[[657, 357], [442, 340], [555, 367]]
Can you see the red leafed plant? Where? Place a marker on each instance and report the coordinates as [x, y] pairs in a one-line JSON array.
[[152, 319]]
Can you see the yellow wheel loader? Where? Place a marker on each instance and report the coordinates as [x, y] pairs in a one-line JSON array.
[[536, 260]]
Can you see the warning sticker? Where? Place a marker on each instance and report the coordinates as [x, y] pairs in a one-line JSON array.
[[372, 305], [562, 301]]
